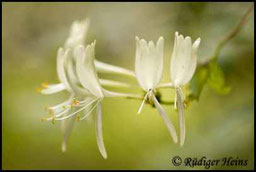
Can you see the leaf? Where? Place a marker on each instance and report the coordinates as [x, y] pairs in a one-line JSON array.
[[216, 78], [197, 83]]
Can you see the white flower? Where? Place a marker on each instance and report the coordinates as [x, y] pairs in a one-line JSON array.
[[77, 37], [80, 98], [183, 66], [149, 69], [81, 80], [77, 34], [87, 75]]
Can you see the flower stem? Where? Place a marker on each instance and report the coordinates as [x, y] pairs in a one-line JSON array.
[[233, 32]]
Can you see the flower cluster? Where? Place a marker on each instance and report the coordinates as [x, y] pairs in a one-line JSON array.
[[77, 73]]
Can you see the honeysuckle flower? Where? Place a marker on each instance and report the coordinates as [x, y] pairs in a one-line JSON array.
[[149, 65], [78, 33], [77, 37], [67, 76], [87, 75], [183, 66], [85, 95]]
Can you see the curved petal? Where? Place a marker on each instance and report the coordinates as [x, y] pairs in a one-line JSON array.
[[149, 62], [108, 68], [108, 93], [86, 70], [99, 135], [180, 58], [183, 62], [167, 121], [66, 127], [160, 54], [72, 77], [78, 32], [53, 88], [61, 58], [139, 73], [181, 115], [192, 63], [112, 83]]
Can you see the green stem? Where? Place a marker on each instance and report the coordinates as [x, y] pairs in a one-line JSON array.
[[234, 31]]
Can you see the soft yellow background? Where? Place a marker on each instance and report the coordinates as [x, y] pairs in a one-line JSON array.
[[217, 126]]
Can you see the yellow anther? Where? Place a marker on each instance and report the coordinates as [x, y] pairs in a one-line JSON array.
[[44, 85], [75, 102]]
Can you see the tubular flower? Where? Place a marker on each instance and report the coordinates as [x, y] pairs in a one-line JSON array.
[[67, 76], [87, 75], [85, 95], [77, 37], [149, 69], [183, 66]]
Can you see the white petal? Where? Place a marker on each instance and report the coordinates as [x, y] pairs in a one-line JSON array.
[[72, 77], [149, 63], [53, 88], [99, 135], [106, 82], [78, 32], [61, 57], [66, 126], [173, 70], [181, 59], [192, 64], [108, 93], [160, 54], [181, 115], [86, 70], [167, 121], [138, 71], [183, 62], [108, 68]]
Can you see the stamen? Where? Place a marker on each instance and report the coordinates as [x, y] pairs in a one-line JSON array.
[[72, 114], [89, 112], [143, 102], [75, 102], [54, 116]]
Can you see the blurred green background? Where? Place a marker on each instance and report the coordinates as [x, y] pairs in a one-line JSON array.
[[217, 125]]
